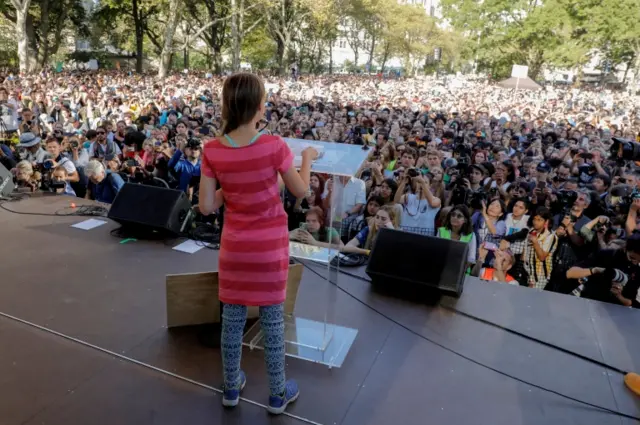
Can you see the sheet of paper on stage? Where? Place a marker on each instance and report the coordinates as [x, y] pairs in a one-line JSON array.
[[189, 246], [92, 223]]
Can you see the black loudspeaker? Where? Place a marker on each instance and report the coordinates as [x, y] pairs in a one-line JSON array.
[[145, 209], [6, 181], [408, 258]]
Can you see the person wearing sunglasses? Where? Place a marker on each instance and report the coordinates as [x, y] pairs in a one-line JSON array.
[[101, 147], [457, 226]]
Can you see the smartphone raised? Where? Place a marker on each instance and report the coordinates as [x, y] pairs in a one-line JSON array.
[[490, 246]]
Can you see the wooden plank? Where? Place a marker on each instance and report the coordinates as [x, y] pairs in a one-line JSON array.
[[192, 298]]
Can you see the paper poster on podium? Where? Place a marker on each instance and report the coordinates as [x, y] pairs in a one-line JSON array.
[[334, 158]]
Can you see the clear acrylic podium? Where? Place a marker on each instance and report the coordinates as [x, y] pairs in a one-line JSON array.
[[313, 334]]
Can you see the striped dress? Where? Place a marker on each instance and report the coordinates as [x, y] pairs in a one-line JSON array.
[[254, 249]]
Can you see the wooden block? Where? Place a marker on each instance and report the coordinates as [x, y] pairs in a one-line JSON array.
[[192, 298], [293, 285]]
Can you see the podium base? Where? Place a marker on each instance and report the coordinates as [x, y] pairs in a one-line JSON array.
[[309, 340]]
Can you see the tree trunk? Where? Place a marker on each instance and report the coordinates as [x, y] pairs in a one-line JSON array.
[[385, 57], [43, 49], [139, 31], [331, 56], [217, 61], [235, 38], [626, 71], [172, 24], [185, 58], [22, 11], [371, 51], [281, 54]]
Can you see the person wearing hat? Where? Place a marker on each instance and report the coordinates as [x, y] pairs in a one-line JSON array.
[[477, 174], [31, 149]]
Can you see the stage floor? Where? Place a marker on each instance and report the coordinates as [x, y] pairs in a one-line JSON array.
[[88, 286]]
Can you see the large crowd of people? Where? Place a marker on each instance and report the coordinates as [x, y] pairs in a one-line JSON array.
[[526, 178]]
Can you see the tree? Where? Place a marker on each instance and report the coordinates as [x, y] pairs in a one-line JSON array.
[[316, 37], [217, 12], [40, 27], [259, 49], [167, 49], [507, 32], [22, 13], [609, 26], [284, 18], [138, 14], [409, 33]]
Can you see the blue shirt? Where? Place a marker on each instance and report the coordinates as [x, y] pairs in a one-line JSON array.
[[7, 151], [68, 190], [186, 169], [107, 189], [362, 236]]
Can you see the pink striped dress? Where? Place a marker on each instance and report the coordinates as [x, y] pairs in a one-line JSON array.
[[254, 250]]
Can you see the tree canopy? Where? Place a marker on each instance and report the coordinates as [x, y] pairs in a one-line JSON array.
[[490, 35]]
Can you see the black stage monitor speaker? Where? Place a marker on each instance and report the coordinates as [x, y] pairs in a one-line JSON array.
[[409, 258], [6, 181], [142, 209]]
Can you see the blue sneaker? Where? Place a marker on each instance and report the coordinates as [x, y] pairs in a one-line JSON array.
[[231, 396], [278, 403]]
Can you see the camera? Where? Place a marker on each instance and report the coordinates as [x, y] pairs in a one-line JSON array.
[[476, 199], [74, 144], [623, 149], [564, 203], [193, 143], [622, 196]]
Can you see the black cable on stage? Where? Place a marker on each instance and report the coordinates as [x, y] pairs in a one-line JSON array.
[[477, 362], [82, 210], [205, 235]]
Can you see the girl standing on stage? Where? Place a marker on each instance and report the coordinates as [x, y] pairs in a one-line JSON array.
[[254, 250]]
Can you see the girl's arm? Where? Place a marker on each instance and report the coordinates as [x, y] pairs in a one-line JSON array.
[[353, 246], [210, 198], [298, 182]]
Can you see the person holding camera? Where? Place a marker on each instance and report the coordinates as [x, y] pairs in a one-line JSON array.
[[102, 148], [8, 112], [419, 206], [539, 250], [28, 123], [611, 275], [186, 162], [60, 180], [502, 262], [30, 149], [26, 176], [56, 159]]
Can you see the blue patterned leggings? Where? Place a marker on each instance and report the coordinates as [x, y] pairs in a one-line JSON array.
[[234, 318]]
